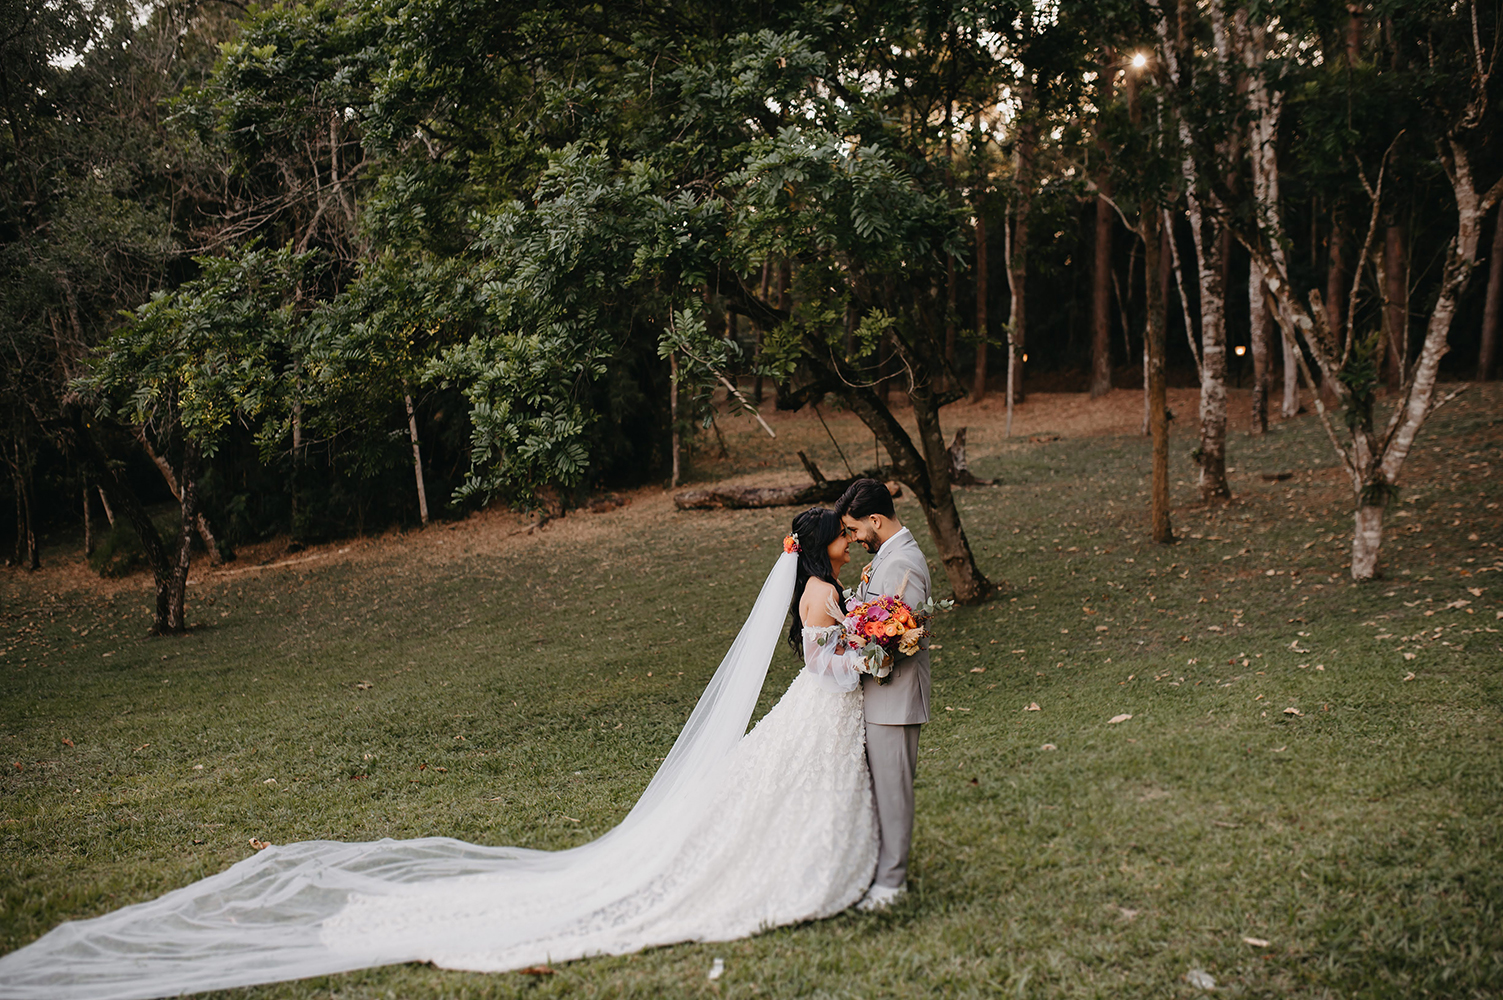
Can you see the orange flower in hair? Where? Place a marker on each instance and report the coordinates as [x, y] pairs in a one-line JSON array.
[[790, 544]]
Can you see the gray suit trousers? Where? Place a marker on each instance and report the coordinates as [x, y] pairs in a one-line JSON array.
[[892, 758]]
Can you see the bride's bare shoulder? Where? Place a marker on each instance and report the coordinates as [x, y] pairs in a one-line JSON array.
[[813, 605]]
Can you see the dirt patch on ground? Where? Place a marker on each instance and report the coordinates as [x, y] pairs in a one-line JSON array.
[[1041, 415]]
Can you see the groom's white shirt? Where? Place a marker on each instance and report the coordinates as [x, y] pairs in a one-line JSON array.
[[904, 700]]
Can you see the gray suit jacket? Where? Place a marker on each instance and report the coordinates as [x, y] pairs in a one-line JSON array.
[[904, 699]]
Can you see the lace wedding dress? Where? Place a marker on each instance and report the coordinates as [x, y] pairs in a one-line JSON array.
[[736, 832]]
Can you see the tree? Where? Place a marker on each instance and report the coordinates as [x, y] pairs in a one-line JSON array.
[[607, 245], [1206, 228], [1456, 112], [1101, 261], [191, 362]]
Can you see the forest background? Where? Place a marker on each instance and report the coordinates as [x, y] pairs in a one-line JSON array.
[[319, 268]]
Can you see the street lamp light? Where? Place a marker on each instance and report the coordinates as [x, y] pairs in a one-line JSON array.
[[1139, 60]]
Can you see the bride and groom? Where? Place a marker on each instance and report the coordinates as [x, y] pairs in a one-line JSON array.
[[805, 815]]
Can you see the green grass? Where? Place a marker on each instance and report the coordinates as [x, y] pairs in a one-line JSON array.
[[1359, 838]]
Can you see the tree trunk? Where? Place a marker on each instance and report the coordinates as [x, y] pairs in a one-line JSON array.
[[178, 590], [88, 522], [28, 553], [417, 457], [757, 327], [1336, 275], [1290, 406], [674, 440], [1209, 250], [109, 512], [1017, 248], [1101, 273], [1396, 309], [298, 515], [1158, 402], [935, 493], [785, 303], [1257, 305], [950, 291], [960, 471], [204, 531], [1262, 144], [978, 386], [1492, 314], [1101, 316], [1367, 539]]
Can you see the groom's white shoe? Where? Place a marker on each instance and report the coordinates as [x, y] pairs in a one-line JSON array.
[[880, 897]]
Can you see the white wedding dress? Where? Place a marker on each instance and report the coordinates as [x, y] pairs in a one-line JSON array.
[[736, 832]]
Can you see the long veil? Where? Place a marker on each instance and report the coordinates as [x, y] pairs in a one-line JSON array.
[[322, 907]]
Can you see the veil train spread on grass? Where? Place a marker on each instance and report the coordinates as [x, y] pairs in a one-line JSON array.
[[322, 907]]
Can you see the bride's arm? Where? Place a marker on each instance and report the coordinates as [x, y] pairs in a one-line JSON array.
[[827, 657]]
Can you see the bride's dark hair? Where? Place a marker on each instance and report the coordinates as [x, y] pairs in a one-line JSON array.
[[816, 528]]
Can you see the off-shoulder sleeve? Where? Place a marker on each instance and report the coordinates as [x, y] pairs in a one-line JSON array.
[[829, 659]]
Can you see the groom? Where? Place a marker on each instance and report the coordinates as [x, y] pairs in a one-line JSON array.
[[895, 710]]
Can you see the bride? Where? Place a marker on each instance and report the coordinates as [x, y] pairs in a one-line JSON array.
[[736, 832]]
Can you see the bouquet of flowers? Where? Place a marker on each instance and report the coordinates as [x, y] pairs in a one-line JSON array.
[[885, 626]]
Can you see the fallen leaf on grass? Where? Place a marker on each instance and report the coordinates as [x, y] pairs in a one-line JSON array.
[[978, 670], [67, 742], [1033, 706], [1409, 656], [364, 686], [1200, 979], [1474, 591], [536, 970], [1295, 712], [259, 845], [717, 969], [1255, 942], [1116, 719], [1409, 676], [1279, 749], [1048, 746]]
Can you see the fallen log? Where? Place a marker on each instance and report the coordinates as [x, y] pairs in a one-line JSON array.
[[822, 490]]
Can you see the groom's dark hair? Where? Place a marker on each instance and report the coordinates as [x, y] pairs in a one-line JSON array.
[[863, 498]]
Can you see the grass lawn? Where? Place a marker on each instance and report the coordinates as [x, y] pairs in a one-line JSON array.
[[1306, 801]]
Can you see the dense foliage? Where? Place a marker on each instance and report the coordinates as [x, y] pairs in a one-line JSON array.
[[522, 245]]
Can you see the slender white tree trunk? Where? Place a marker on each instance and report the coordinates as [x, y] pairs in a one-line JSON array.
[[1257, 308], [1367, 539], [673, 413], [417, 457]]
